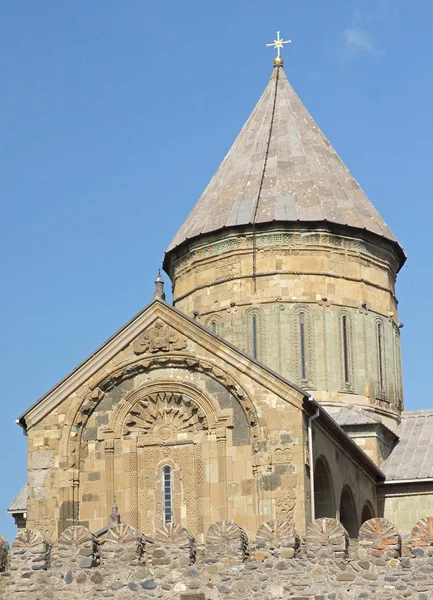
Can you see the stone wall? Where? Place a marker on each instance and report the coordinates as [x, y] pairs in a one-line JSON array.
[[404, 504], [120, 562]]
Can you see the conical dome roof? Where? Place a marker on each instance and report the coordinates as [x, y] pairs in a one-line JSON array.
[[281, 168]]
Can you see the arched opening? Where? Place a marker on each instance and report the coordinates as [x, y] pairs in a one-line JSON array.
[[302, 343], [167, 495], [367, 512], [255, 337], [380, 356], [303, 350], [254, 333], [324, 497], [213, 324], [348, 512], [345, 340]]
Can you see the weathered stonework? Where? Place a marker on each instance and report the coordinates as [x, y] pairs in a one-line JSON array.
[[123, 563], [323, 275], [235, 443]]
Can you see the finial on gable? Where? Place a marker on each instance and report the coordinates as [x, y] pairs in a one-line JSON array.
[[159, 287]]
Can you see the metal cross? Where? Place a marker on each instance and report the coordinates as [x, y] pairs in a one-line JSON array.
[[278, 43]]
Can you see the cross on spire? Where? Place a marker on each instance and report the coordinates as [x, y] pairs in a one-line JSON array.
[[278, 44]]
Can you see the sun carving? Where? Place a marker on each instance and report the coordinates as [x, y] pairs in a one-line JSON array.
[[162, 416]]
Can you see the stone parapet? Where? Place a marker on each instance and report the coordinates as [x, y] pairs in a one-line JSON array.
[[120, 562]]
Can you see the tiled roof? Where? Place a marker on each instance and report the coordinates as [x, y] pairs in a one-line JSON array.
[[412, 457], [20, 503], [281, 168], [349, 415]]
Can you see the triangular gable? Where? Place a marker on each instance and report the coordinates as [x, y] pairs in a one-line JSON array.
[[136, 326]]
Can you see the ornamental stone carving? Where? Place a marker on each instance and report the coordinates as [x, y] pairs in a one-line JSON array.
[[378, 538], [174, 542], [282, 456], [77, 547], [145, 364], [31, 551], [122, 544], [327, 538], [164, 415], [159, 337], [285, 503], [226, 542], [422, 534], [279, 538]]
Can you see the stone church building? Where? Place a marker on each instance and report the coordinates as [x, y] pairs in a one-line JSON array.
[[271, 388]]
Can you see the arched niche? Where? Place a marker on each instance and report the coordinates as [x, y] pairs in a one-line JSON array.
[[303, 346], [324, 496], [83, 406], [214, 324], [169, 402], [255, 333], [348, 516]]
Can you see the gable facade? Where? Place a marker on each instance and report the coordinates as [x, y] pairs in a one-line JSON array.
[[175, 405]]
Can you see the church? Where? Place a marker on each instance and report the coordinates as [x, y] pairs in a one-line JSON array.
[[271, 388]]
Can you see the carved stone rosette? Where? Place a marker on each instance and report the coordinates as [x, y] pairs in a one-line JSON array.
[[163, 415]]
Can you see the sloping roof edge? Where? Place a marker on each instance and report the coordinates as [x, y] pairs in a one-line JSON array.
[[410, 459], [336, 228], [100, 356], [19, 503], [310, 405]]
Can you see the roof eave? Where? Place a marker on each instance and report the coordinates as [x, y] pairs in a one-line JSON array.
[[310, 405], [341, 228]]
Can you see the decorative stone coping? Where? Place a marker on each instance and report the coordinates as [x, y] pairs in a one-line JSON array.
[[120, 562]]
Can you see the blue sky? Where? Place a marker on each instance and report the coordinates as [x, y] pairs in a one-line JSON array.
[[114, 116]]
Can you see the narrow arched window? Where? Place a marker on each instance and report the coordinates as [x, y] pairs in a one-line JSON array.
[[380, 356], [255, 345], [213, 327], [397, 369], [302, 345], [167, 495], [345, 343]]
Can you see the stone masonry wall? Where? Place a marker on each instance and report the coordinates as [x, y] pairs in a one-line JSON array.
[[121, 563], [321, 274]]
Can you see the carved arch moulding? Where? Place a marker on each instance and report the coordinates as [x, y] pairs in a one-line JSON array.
[[169, 407], [83, 406]]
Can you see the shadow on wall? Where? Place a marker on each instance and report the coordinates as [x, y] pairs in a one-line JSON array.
[[325, 505]]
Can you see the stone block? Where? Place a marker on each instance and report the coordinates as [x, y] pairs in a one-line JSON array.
[[42, 459]]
